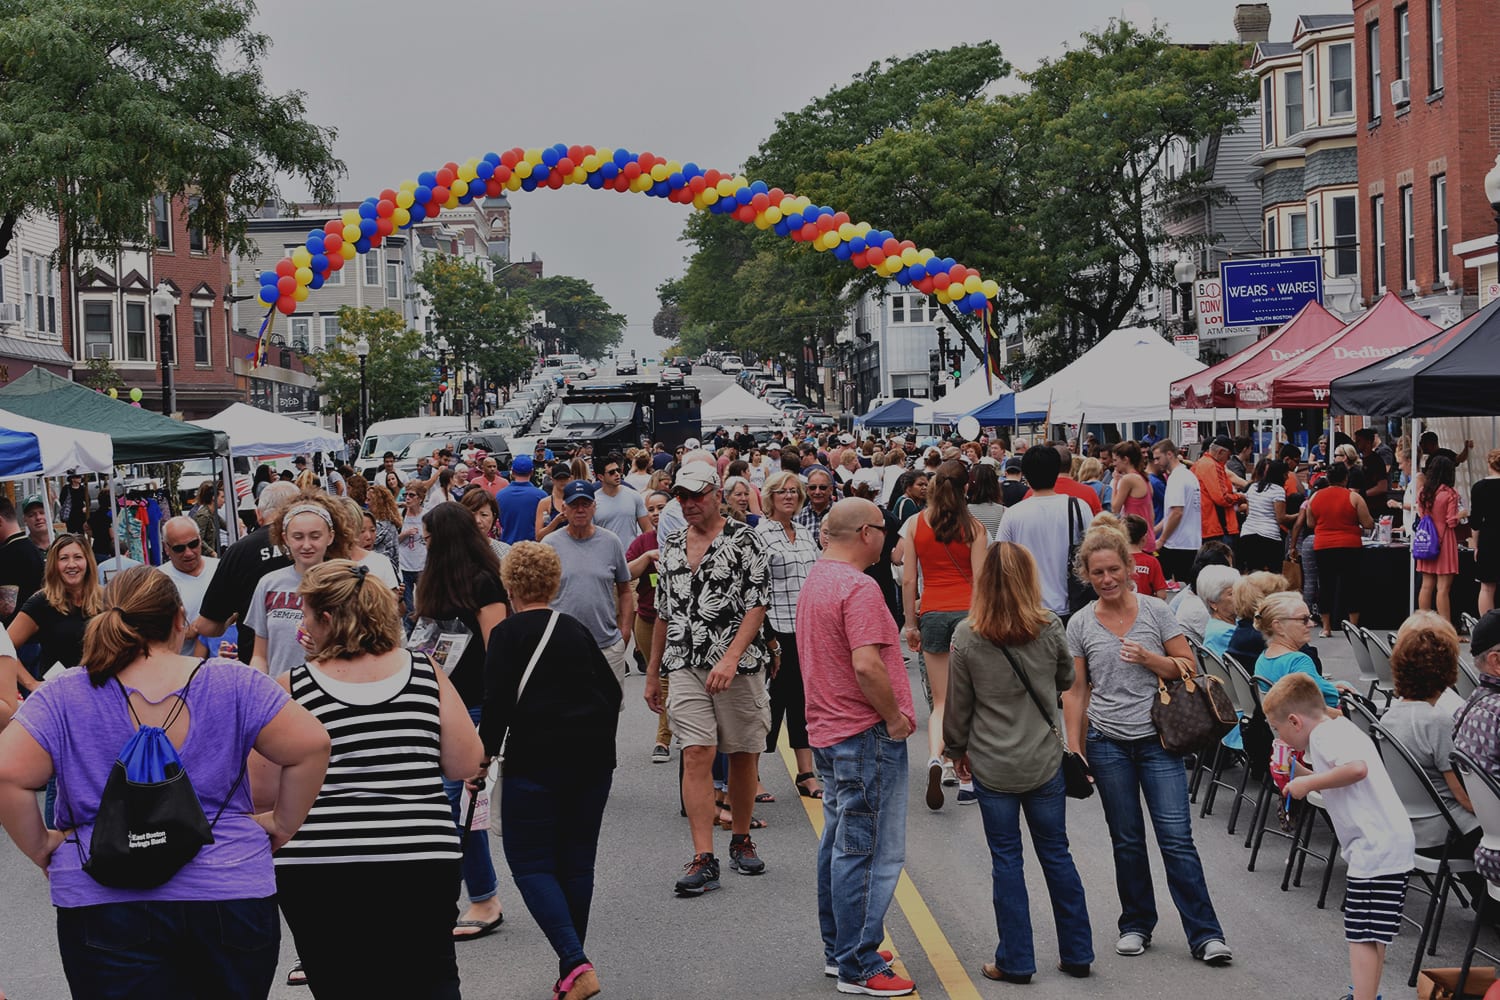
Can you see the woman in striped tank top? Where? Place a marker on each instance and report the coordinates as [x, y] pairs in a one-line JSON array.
[[374, 870]]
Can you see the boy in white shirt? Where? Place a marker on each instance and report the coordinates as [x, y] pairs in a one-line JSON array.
[[1369, 817]]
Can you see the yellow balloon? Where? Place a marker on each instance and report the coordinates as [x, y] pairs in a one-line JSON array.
[[831, 239], [725, 187], [591, 162], [351, 233], [773, 214], [407, 186], [990, 289], [300, 293], [401, 216], [301, 257], [942, 295], [673, 167], [909, 256], [348, 250], [925, 255], [514, 184], [303, 275], [452, 201], [973, 283], [641, 183], [523, 169], [459, 189], [580, 175], [659, 172], [405, 199], [710, 196], [350, 217], [761, 222], [467, 172], [699, 202], [817, 245], [533, 156], [861, 228], [846, 231]]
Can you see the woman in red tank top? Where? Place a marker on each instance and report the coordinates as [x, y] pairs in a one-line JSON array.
[[1338, 519], [948, 545], [1132, 493]]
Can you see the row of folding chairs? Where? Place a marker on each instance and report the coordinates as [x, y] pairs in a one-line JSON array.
[[1372, 656]]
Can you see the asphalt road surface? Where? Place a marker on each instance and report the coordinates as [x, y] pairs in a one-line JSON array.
[[758, 937]]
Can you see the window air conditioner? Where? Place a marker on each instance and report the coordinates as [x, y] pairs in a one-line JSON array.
[[1400, 92], [10, 312], [105, 351]]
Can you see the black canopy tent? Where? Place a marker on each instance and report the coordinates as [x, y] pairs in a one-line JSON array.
[[1451, 374]]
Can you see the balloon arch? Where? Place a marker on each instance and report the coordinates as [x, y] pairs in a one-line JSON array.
[[752, 202]]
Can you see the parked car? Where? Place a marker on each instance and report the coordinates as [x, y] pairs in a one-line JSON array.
[[817, 420], [731, 365]]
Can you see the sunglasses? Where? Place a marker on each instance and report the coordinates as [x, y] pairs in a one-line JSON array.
[[180, 549]]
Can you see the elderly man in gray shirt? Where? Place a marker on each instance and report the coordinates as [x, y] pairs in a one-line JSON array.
[[595, 576]]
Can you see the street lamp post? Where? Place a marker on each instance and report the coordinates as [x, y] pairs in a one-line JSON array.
[[362, 350], [442, 348], [163, 304], [1186, 272]]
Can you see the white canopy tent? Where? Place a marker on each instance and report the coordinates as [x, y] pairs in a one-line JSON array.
[[1126, 377], [734, 406], [256, 432], [62, 449], [970, 395]]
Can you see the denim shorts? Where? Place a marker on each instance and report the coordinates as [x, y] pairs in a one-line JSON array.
[[937, 628]]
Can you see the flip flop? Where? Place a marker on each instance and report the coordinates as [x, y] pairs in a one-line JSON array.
[[765, 797], [485, 929], [296, 977]]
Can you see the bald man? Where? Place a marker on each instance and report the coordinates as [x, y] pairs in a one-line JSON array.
[[191, 571]]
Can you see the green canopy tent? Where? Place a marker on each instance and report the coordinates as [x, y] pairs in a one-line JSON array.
[[139, 435]]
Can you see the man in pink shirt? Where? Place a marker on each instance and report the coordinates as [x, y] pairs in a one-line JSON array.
[[490, 479], [859, 714]]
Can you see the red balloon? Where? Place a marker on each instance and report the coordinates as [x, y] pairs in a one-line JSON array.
[[631, 170], [332, 242], [825, 223], [809, 231], [383, 227], [509, 159], [376, 240], [760, 202], [576, 153], [697, 184], [907, 245], [333, 227], [432, 208], [286, 305], [451, 167], [388, 195], [859, 261], [336, 262], [941, 280], [971, 272], [286, 284], [776, 194], [874, 256], [839, 218], [502, 174], [587, 151], [646, 160], [285, 267], [891, 247], [555, 180], [712, 176], [746, 213], [622, 183], [441, 193], [924, 286], [384, 208], [564, 166], [493, 188], [956, 273], [445, 178]]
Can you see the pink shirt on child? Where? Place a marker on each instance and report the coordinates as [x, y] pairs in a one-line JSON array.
[[839, 610]]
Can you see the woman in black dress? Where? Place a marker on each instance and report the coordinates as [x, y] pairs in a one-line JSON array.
[[1484, 519]]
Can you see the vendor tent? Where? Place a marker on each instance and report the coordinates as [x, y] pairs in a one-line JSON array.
[[1452, 374], [33, 448], [735, 406], [896, 413], [1215, 387], [1126, 377], [968, 396], [257, 432], [1387, 328], [138, 435]]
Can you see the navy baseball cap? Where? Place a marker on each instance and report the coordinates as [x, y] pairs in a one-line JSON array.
[[578, 489]]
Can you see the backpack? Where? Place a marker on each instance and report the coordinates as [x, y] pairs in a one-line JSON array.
[[150, 822], [1426, 543]]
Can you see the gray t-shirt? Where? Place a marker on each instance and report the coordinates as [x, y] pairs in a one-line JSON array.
[[1040, 525], [620, 513], [1121, 693], [275, 616], [1427, 731], [590, 570]]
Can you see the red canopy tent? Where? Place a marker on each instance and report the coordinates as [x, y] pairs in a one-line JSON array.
[[1215, 386], [1387, 328]]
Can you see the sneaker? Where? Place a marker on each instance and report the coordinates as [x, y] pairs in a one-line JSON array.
[[831, 969], [1133, 943], [884, 983], [1216, 952], [743, 859], [660, 754], [935, 784], [950, 776], [701, 875], [967, 796]]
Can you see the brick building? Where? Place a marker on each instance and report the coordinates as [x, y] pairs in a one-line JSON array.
[[1429, 126]]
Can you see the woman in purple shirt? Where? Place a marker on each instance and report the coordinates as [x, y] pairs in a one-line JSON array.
[[211, 930]]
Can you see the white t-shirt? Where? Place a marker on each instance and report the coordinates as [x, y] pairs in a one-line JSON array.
[[191, 589], [1375, 836], [1261, 520], [411, 550], [1040, 525], [1184, 491], [381, 569]]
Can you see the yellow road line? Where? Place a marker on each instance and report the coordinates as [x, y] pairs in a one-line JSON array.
[[945, 962]]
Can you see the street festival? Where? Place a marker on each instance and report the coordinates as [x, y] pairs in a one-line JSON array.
[[1080, 425]]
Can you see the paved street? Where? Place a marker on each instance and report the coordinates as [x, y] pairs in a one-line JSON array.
[[757, 937]]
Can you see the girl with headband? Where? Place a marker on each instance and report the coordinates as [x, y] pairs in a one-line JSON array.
[[310, 530]]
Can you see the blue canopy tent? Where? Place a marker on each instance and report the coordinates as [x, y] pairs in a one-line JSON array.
[[1001, 411], [20, 454], [896, 413]]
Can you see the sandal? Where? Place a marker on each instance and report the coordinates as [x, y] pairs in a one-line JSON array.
[[726, 822], [765, 797], [803, 790], [297, 977]]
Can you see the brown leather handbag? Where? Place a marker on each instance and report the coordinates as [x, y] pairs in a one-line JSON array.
[[1191, 713]]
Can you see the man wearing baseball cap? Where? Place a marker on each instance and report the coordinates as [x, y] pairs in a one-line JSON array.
[[595, 575], [37, 525], [517, 503], [711, 599]]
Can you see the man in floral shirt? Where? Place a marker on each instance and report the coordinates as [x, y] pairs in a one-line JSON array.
[[712, 593]]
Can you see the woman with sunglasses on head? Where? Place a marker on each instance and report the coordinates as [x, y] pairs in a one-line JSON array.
[[550, 507], [379, 840], [310, 530]]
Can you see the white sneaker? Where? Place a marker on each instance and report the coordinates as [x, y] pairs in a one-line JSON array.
[[950, 776], [1131, 943], [1216, 952]]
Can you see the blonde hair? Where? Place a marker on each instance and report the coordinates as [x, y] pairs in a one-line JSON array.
[[363, 616], [531, 572], [56, 592], [1007, 607], [1091, 468], [1296, 692], [1253, 588], [1273, 608], [1105, 534], [383, 505], [143, 608], [780, 480]]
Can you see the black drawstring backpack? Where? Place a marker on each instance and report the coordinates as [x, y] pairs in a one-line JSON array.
[[150, 822]]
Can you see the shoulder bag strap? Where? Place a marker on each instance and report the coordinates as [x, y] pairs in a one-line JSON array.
[[537, 655], [1035, 698]]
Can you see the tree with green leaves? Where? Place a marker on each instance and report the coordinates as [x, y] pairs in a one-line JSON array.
[[398, 377], [106, 103], [578, 317], [485, 327]]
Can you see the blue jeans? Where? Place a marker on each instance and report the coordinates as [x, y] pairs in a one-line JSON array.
[[550, 831], [479, 869], [1046, 817], [1124, 770], [863, 846], [409, 580], [222, 950]]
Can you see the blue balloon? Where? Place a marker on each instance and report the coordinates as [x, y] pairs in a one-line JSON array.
[[319, 263], [316, 282], [781, 228], [485, 169], [269, 294], [315, 244], [917, 271], [903, 276], [691, 170], [493, 159], [314, 234], [759, 187], [661, 189], [362, 245], [550, 157], [858, 245], [427, 178], [422, 194], [367, 227], [842, 251], [609, 170], [677, 180], [562, 149], [976, 300], [418, 213], [796, 220], [367, 210], [743, 196], [622, 157], [269, 278], [465, 198], [539, 172], [529, 183], [596, 179]]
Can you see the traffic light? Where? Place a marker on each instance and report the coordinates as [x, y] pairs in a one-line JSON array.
[[957, 363]]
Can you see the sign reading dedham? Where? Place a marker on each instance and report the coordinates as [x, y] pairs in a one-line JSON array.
[[1269, 291]]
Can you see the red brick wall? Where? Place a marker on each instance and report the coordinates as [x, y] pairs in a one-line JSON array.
[[201, 391]]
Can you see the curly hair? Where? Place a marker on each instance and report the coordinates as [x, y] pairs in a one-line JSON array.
[[338, 547], [532, 572], [363, 615], [1424, 660], [383, 505]]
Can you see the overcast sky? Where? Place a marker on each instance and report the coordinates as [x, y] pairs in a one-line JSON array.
[[410, 86]]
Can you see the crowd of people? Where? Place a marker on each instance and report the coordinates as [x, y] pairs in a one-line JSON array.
[[411, 642]]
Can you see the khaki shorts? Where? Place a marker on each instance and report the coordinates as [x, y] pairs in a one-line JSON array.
[[735, 720]]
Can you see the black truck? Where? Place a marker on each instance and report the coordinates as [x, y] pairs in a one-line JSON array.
[[617, 416]]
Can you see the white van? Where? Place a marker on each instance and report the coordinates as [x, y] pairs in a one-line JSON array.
[[395, 435]]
